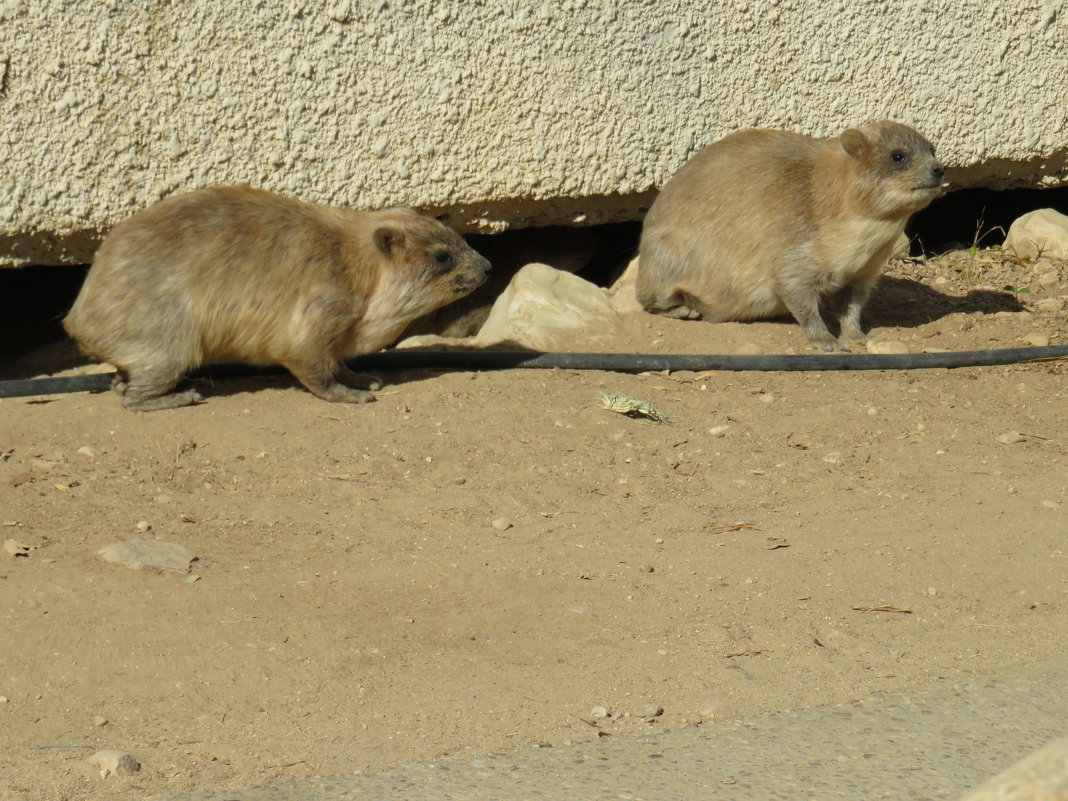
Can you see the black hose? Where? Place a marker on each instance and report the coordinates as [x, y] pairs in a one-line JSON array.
[[614, 362]]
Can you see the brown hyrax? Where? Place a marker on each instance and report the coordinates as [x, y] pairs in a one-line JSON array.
[[762, 223], [239, 274]]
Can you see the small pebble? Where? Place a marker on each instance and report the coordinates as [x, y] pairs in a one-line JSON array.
[[502, 524], [1051, 504], [719, 431], [143, 526], [1010, 315], [887, 347], [1037, 340], [139, 552], [600, 713], [114, 763], [646, 568], [1049, 280], [100, 720], [15, 548], [1049, 305], [1011, 437], [459, 480], [3, 699], [87, 452], [648, 711]]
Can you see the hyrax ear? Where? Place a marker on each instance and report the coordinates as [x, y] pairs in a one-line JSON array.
[[854, 142], [388, 239]]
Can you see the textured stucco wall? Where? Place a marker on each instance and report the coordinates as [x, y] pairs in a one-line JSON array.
[[503, 113]]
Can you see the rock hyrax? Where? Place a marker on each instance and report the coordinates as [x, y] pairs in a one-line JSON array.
[[762, 223], [239, 274]]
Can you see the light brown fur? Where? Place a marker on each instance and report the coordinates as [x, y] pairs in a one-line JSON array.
[[762, 223], [239, 274]]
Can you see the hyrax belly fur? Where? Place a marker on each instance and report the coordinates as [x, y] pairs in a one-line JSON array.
[[239, 274], [762, 223]]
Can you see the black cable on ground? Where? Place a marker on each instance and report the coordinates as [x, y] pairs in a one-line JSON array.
[[613, 362]]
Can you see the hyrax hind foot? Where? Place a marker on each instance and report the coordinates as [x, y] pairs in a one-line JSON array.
[[358, 380], [172, 400], [331, 381]]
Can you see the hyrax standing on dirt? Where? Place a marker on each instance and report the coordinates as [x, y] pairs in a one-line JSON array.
[[235, 273], [766, 222]]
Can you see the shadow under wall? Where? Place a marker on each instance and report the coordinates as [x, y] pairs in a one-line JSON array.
[[36, 299], [959, 219], [901, 303]]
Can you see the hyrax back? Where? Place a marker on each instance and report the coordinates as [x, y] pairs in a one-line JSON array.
[[239, 274], [762, 223]]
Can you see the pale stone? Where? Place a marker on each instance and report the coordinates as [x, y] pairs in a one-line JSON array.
[[1011, 438], [1043, 232], [622, 295], [16, 548], [887, 346], [1040, 776], [550, 310], [139, 552], [1049, 280], [114, 763], [1036, 340], [1049, 305]]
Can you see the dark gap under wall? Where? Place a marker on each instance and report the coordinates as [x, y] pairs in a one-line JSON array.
[[36, 299], [958, 219], [32, 339]]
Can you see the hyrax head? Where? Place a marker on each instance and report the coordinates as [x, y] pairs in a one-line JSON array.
[[897, 168], [430, 253]]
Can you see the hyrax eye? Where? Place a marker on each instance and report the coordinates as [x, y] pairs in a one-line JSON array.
[[899, 157], [443, 258]]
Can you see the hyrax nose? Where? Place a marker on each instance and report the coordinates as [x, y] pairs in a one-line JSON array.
[[938, 170]]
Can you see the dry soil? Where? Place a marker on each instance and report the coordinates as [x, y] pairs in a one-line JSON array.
[[786, 540]]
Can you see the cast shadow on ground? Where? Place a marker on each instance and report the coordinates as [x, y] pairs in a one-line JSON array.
[[901, 303]]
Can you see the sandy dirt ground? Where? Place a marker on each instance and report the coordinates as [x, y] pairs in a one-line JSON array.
[[786, 540]]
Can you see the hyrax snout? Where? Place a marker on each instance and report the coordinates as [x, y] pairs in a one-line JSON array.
[[762, 223], [240, 274]]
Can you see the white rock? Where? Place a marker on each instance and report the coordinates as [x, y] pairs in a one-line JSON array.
[[887, 346], [139, 552], [100, 720], [719, 431], [622, 295], [1041, 776], [648, 711], [114, 763], [502, 524], [550, 310], [1042, 232], [1011, 437], [87, 452], [1051, 504], [1049, 280], [15, 548], [1011, 315], [600, 713], [1036, 340], [1049, 305]]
